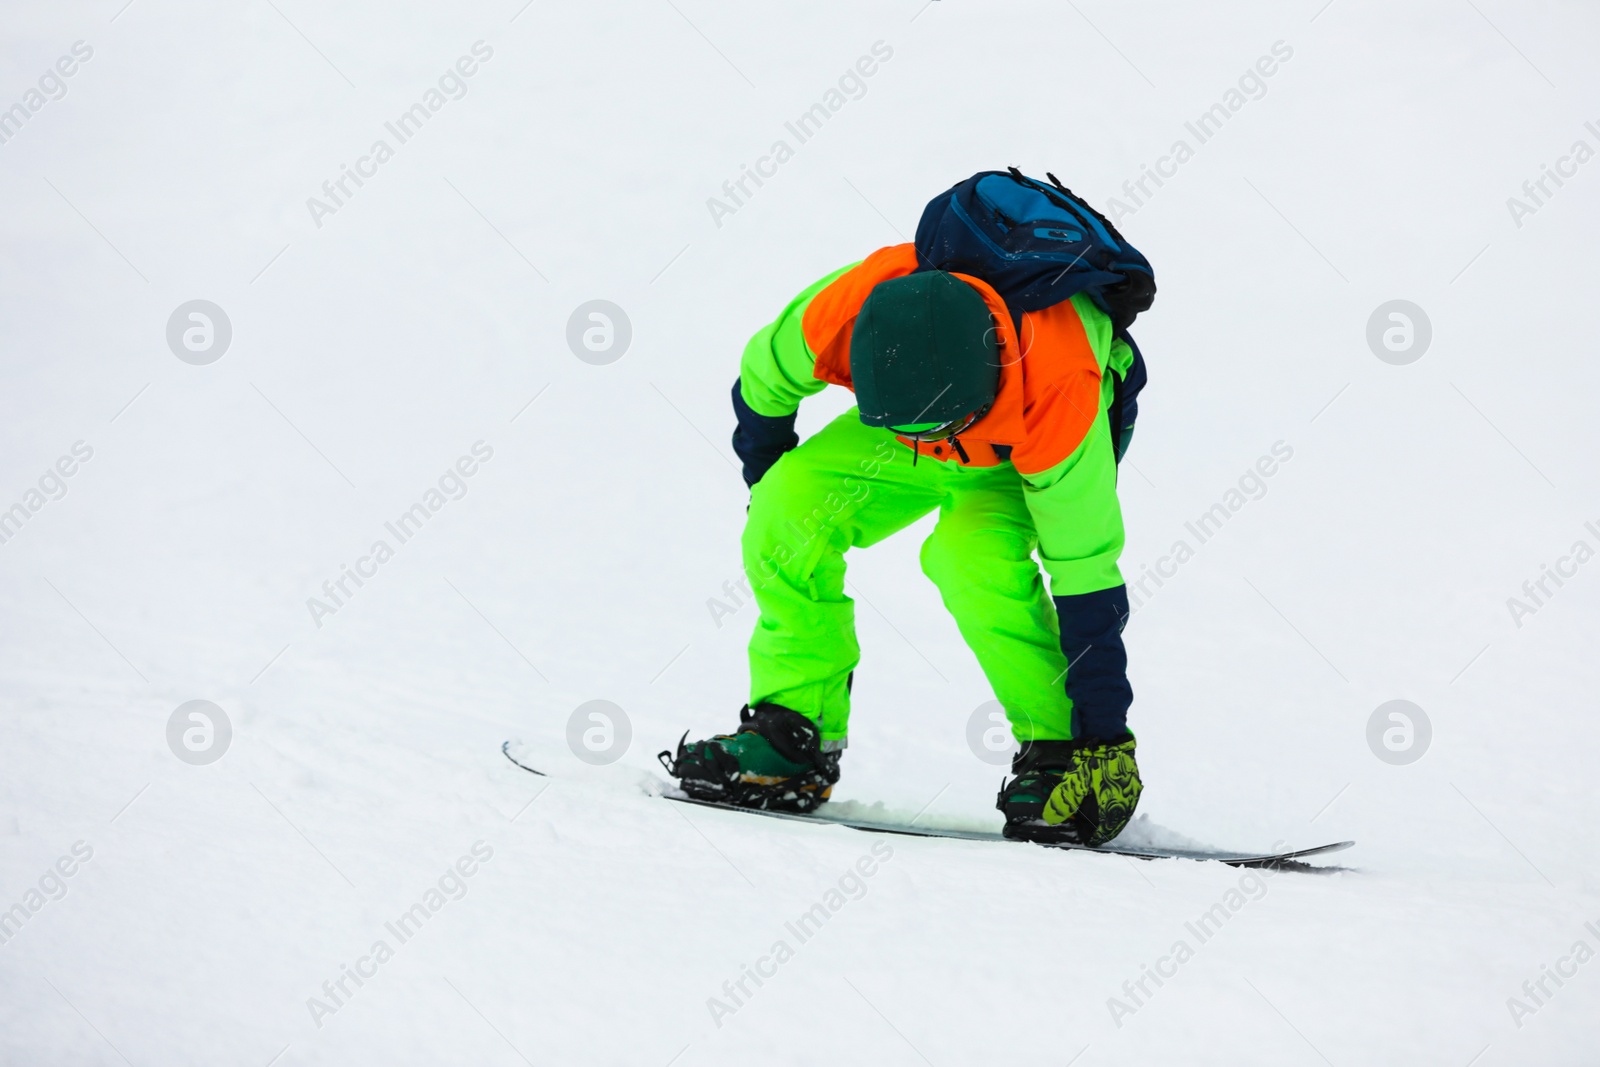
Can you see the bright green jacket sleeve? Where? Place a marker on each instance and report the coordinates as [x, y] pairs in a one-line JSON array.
[[1074, 504], [775, 373]]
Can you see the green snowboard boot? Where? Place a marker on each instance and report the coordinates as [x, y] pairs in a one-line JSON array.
[[773, 761], [1073, 792]]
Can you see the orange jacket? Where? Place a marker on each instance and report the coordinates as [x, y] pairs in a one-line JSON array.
[[1050, 380]]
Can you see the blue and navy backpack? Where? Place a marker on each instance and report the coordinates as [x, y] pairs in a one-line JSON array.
[[1038, 245]]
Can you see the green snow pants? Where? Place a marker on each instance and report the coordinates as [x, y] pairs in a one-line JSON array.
[[851, 486]]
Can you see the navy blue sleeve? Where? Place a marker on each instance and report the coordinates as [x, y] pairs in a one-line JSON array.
[[760, 440], [1124, 410], [1097, 672]]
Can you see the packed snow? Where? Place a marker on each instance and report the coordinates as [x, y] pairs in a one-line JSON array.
[[330, 862]]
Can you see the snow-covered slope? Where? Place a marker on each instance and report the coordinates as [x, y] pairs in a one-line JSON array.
[[570, 153]]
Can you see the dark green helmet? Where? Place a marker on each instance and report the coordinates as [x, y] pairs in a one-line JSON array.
[[924, 352]]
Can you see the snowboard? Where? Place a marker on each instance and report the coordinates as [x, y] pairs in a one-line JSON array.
[[1287, 860]]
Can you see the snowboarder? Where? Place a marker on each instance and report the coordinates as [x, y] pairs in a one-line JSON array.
[[995, 382]]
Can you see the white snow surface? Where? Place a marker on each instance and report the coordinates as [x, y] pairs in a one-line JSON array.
[[430, 312]]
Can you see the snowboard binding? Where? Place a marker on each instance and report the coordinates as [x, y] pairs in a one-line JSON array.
[[774, 762]]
